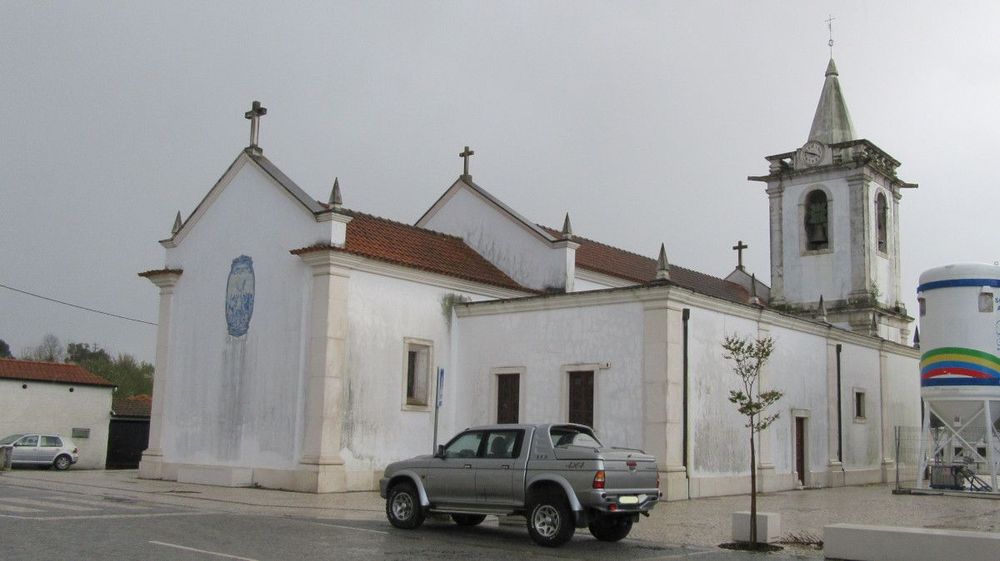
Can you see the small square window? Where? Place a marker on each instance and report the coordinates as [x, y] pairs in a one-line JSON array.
[[418, 359], [986, 302], [922, 304], [859, 405]]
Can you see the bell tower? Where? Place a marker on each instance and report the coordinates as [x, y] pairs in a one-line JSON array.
[[834, 216]]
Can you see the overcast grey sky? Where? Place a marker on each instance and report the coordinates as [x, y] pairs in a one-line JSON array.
[[641, 119]]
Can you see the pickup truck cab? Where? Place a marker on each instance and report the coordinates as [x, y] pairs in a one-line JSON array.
[[559, 476]]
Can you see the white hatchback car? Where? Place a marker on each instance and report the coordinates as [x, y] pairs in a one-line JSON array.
[[42, 450]]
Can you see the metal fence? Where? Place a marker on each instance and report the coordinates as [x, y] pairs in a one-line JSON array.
[[936, 459], [911, 449]]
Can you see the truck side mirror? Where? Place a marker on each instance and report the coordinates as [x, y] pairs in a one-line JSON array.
[[440, 452]]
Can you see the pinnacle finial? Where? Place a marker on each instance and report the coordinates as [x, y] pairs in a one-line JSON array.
[[662, 265], [335, 199], [821, 310], [916, 337], [754, 299], [177, 224], [875, 324], [567, 229]]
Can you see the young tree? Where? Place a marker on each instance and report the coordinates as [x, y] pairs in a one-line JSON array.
[[51, 350], [749, 357]]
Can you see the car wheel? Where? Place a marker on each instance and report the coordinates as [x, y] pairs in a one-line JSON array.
[[550, 521], [62, 462], [402, 506], [611, 528], [468, 519]]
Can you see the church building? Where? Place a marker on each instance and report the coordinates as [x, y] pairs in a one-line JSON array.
[[307, 352]]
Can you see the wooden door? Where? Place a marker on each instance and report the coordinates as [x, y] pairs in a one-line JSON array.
[[508, 397], [800, 449], [581, 397]]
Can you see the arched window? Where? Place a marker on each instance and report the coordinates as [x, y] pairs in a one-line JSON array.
[[881, 222], [817, 221]]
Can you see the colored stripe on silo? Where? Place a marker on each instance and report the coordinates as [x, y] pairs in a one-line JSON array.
[[958, 366]]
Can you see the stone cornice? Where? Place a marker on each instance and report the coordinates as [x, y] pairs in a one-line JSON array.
[[163, 278], [329, 255], [649, 294]]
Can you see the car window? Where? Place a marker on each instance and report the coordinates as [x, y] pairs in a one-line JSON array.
[[51, 442], [465, 445], [30, 440], [572, 436], [504, 444], [10, 439]]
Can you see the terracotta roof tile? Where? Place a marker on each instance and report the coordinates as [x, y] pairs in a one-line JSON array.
[[411, 246], [603, 258], [57, 372], [132, 406]]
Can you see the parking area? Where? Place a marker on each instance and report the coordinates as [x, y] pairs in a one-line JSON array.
[[700, 524]]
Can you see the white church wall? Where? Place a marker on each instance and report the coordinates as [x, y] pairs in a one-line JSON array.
[[862, 435], [237, 401], [503, 240], [580, 285], [809, 275], [545, 344], [383, 313]]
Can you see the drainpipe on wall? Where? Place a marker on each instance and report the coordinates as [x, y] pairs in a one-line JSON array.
[[840, 414], [685, 316]]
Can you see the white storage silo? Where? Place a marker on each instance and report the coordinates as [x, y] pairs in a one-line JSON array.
[[960, 367]]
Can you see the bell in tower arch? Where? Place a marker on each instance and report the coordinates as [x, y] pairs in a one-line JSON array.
[[816, 221]]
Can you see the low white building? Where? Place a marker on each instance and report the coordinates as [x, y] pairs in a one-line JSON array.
[[299, 342], [57, 398]]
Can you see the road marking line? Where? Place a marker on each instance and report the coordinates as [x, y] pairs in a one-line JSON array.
[[44, 504], [185, 548], [106, 516], [21, 509], [317, 522], [105, 504]]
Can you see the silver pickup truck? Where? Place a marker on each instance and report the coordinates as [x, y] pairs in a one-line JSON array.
[[559, 477]]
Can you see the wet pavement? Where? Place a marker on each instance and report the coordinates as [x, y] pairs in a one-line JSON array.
[[676, 530]]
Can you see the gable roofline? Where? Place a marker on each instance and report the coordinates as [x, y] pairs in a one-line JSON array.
[[466, 181], [247, 155]]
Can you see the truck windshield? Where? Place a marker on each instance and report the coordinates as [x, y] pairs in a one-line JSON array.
[[572, 436]]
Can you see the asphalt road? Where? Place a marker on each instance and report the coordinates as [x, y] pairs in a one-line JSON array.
[[40, 523]]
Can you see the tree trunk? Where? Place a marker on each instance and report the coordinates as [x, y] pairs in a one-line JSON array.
[[753, 492]]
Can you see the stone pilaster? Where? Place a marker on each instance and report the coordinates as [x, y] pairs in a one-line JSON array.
[[775, 192], [765, 454], [327, 369], [859, 238], [151, 465], [663, 390], [835, 466], [888, 449]]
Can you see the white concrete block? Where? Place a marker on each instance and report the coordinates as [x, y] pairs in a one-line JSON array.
[[892, 543], [216, 475], [768, 526]]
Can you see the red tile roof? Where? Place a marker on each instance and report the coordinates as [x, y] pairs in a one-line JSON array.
[[57, 372], [603, 258], [411, 246], [132, 406]]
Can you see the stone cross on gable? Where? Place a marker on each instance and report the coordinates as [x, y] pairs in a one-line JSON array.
[[465, 156], [739, 247], [254, 114]]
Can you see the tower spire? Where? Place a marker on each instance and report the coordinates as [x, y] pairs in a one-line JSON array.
[[832, 122]]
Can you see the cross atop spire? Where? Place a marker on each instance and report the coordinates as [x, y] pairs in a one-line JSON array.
[[254, 114], [829, 26], [465, 154], [739, 247]]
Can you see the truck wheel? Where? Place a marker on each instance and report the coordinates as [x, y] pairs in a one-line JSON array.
[[550, 521], [402, 506], [468, 519], [611, 528]]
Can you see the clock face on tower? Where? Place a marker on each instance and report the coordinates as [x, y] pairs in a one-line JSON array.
[[812, 153]]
